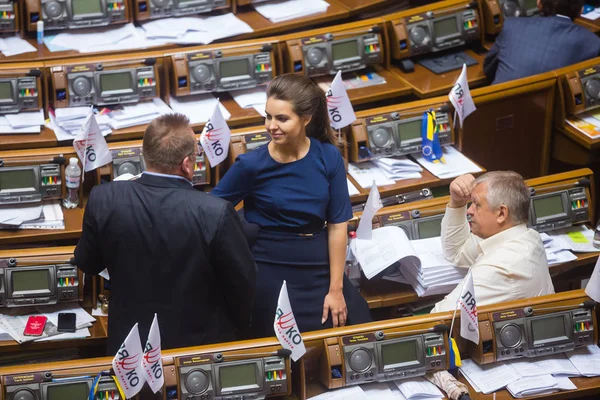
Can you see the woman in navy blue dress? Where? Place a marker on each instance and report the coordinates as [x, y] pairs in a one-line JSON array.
[[291, 188]]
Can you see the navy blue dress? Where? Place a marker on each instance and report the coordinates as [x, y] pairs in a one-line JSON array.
[[290, 203]]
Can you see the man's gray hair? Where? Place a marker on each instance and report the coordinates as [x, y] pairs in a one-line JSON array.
[[507, 188]]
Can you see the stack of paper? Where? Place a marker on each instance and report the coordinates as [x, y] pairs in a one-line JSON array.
[[11, 46], [37, 216], [66, 122], [365, 173], [488, 378], [456, 164], [90, 40], [556, 250], [578, 238], [24, 122], [198, 108], [194, 30], [251, 98], [398, 168], [357, 79], [15, 322], [348, 393], [279, 11], [433, 274], [586, 360], [352, 190], [137, 114], [586, 123], [419, 389], [538, 385]]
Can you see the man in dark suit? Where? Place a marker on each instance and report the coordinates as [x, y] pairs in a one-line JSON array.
[[169, 249], [529, 46]]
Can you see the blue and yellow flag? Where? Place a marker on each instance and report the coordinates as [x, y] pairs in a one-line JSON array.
[[432, 150], [455, 360]]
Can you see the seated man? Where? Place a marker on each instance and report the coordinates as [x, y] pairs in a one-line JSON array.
[[507, 260], [529, 46]]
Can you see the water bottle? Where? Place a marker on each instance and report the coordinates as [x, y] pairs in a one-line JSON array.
[[73, 179]]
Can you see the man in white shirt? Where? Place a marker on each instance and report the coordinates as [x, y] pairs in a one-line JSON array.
[[507, 259]]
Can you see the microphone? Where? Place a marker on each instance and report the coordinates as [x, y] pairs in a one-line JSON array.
[[34, 72], [440, 328], [12, 262], [529, 311], [55, 160], [582, 182], [284, 353]]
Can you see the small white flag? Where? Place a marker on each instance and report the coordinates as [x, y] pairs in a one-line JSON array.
[[593, 286], [460, 97], [91, 146], [127, 364], [285, 326], [215, 138], [469, 324], [365, 225], [340, 109], [152, 360]]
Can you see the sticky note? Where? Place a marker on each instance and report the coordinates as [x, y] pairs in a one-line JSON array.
[[577, 237]]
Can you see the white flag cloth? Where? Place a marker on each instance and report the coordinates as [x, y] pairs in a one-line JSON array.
[[91, 146], [152, 361], [285, 326], [469, 324], [593, 286], [460, 96], [127, 364], [340, 109], [365, 225], [215, 138]]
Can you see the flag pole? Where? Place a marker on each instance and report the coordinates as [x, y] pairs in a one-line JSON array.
[[457, 301]]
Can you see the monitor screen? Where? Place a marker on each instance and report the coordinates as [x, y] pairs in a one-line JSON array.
[[445, 27], [547, 206], [17, 180], [233, 68], [72, 391], [344, 50], [28, 280], [399, 353], [85, 7], [548, 329], [530, 4], [409, 131], [120, 81], [6, 92], [429, 228], [238, 376]]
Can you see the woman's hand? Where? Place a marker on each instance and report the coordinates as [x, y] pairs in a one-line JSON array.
[[336, 304]]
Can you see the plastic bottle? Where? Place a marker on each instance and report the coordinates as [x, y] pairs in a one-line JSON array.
[[73, 179]]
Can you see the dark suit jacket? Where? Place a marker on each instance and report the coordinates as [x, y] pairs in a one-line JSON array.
[[529, 46], [170, 250]]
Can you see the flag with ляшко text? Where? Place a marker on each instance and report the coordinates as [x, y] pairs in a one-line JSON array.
[[90, 145], [339, 107], [215, 138], [127, 364], [286, 327], [460, 97], [469, 324], [152, 366]]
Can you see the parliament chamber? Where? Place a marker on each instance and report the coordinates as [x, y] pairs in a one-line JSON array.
[[399, 60]]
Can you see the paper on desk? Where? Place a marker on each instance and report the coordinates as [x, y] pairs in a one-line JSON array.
[[78, 334], [576, 238], [198, 108], [592, 15], [97, 312], [384, 249], [260, 108], [556, 364], [246, 98], [279, 11], [418, 388], [52, 218], [69, 113], [529, 386], [352, 190], [78, 40], [6, 128], [586, 360], [488, 378], [456, 164], [380, 391], [560, 257], [365, 173], [11, 46], [140, 109], [160, 108], [25, 119], [14, 215], [348, 393]]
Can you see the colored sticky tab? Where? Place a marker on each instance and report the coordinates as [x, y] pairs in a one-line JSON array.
[[577, 237]]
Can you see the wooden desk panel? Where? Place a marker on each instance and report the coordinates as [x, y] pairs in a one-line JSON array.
[[359, 6], [406, 185], [264, 27], [45, 138], [428, 84], [73, 220], [592, 25]]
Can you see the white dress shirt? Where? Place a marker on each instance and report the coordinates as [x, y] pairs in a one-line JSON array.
[[510, 265]]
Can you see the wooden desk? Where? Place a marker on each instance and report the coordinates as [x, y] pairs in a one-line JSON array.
[[45, 138], [73, 220], [585, 387], [592, 25], [360, 6], [428, 84], [264, 27]]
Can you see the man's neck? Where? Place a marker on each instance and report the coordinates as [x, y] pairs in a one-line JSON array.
[[169, 173]]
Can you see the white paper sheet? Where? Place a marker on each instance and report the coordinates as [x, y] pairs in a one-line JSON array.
[[77, 40], [26, 119], [348, 393], [248, 97], [586, 360], [198, 108], [285, 10], [456, 164], [352, 190], [365, 173], [488, 378], [12, 46], [418, 389]]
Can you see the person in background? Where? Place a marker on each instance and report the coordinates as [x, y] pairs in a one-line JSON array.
[[529, 46], [169, 249], [294, 188], [507, 260]]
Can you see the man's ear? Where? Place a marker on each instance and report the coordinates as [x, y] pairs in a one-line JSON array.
[[502, 214]]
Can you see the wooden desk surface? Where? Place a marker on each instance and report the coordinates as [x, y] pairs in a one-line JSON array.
[[359, 6], [45, 138], [592, 25], [405, 185], [428, 84], [73, 220], [580, 137], [585, 387]]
